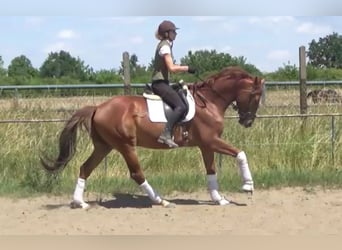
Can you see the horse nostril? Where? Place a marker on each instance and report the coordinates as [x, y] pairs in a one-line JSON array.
[[248, 123]]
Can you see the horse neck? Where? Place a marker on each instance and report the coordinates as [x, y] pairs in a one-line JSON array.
[[221, 99]]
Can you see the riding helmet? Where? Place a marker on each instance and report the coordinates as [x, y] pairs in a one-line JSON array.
[[166, 26]]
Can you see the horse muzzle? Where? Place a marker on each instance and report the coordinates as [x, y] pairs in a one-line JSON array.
[[246, 119]]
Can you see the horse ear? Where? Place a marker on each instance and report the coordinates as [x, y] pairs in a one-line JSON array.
[[256, 81], [259, 81]]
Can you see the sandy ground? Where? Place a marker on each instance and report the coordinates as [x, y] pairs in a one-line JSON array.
[[289, 211]]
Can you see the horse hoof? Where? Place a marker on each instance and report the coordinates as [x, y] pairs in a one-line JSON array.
[[78, 204], [248, 187], [167, 204], [249, 193], [222, 202]]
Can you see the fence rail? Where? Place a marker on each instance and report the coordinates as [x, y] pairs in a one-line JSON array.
[[332, 124], [291, 83], [69, 86], [141, 85]]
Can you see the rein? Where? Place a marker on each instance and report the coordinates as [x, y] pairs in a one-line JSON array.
[[233, 104], [200, 95], [211, 87]]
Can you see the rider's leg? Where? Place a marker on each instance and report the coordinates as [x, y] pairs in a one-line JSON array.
[[166, 135], [171, 98]]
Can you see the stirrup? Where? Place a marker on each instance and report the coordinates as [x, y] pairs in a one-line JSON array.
[[167, 141]]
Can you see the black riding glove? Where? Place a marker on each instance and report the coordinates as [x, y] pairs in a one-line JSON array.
[[192, 70]]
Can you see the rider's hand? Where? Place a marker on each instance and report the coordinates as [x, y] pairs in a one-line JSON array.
[[192, 70]]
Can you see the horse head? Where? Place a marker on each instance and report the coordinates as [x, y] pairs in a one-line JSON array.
[[248, 99], [234, 84]]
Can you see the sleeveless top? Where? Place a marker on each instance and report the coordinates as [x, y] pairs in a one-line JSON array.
[[160, 71]]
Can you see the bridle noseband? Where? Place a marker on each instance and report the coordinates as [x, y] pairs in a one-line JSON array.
[[251, 97]]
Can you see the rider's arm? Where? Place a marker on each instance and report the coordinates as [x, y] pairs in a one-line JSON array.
[[174, 67]]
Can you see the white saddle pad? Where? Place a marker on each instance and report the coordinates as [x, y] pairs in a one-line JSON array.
[[156, 113]]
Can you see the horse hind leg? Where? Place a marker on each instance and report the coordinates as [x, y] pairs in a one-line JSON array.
[[99, 153], [129, 154]]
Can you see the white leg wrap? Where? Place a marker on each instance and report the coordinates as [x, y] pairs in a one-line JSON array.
[[243, 165], [146, 187], [78, 195], [213, 190], [245, 172], [79, 190]]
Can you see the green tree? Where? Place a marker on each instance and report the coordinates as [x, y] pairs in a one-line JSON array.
[[326, 52], [138, 73], [2, 69], [136, 70], [150, 65], [62, 64], [211, 61], [207, 61], [286, 73], [107, 76], [241, 61], [22, 67], [323, 74]]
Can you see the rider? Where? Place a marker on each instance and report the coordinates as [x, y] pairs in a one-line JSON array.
[[163, 66]]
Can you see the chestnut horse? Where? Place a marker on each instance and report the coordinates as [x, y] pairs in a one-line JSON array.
[[122, 123]]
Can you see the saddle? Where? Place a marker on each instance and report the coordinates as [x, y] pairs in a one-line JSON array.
[[159, 111]]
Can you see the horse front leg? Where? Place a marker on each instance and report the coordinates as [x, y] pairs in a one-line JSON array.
[[248, 184], [213, 187], [220, 146]]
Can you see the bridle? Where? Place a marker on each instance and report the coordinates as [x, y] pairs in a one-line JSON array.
[[244, 116], [251, 97]]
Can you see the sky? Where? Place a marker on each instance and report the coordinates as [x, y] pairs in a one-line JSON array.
[[99, 38]]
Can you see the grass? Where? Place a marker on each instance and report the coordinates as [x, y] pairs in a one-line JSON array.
[[281, 152]]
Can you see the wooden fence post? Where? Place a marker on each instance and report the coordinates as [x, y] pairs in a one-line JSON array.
[[302, 80], [126, 72], [263, 95]]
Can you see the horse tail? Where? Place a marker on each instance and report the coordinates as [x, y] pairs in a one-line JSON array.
[[67, 139]]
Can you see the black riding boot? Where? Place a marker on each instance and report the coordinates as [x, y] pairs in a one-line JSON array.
[[166, 135]]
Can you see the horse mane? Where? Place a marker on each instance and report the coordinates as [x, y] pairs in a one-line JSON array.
[[232, 72], [229, 72]]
